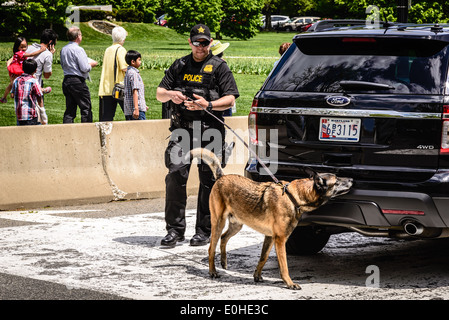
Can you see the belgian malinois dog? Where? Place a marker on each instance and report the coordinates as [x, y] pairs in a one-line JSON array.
[[264, 207]]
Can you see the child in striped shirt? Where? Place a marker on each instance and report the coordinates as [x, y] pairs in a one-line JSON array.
[[134, 101]]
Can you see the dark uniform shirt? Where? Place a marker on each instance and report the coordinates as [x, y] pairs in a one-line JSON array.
[[223, 76]]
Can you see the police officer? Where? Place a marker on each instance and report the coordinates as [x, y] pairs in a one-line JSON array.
[[196, 81]]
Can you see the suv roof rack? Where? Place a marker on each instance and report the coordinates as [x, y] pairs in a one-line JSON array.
[[433, 27], [336, 24], [327, 25]]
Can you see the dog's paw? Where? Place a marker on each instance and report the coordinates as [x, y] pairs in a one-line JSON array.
[[214, 275], [258, 279], [224, 264], [294, 286]]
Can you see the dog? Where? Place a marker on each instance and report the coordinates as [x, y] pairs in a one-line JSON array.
[[264, 207]]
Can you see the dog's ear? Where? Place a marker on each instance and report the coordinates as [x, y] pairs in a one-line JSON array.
[[320, 184], [312, 173]]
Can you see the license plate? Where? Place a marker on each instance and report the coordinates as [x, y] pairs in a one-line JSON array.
[[340, 129]]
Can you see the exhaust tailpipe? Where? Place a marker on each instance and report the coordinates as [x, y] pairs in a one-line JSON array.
[[412, 228]]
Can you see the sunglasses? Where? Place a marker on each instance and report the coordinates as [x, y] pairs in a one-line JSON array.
[[201, 43]]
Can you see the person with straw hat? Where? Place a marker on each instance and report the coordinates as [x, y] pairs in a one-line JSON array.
[[217, 48]]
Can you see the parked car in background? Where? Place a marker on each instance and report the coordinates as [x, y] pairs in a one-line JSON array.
[[276, 21], [162, 21], [306, 27], [297, 24]]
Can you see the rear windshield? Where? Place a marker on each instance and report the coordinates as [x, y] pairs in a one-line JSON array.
[[398, 65]]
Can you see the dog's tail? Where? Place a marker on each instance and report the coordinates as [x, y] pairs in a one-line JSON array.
[[210, 159]]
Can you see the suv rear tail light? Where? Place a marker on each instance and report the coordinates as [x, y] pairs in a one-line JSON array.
[[252, 125], [445, 131]]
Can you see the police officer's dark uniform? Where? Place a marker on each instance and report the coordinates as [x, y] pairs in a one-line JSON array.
[[211, 79]]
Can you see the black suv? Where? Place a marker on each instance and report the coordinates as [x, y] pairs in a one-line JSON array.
[[370, 104]]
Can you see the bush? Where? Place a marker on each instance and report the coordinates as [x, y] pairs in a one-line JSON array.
[[129, 15], [87, 15], [149, 16], [12, 22]]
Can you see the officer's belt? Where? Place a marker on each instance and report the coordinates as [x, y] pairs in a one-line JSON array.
[[189, 124]]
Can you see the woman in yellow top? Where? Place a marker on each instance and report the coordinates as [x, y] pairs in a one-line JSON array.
[[108, 104]]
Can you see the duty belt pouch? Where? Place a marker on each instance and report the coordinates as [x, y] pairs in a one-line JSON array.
[[175, 115], [118, 92]]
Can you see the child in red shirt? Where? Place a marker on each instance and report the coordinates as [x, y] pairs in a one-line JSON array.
[[15, 63]]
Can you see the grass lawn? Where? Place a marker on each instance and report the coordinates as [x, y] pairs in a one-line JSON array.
[[250, 60]]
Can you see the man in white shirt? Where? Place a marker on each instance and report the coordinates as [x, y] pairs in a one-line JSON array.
[[45, 59]]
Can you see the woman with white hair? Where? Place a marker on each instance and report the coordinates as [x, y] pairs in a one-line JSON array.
[[114, 69]]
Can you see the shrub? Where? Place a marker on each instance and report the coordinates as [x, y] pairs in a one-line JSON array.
[[129, 15], [87, 15]]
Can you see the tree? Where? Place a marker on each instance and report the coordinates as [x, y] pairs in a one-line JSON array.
[[268, 7], [420, 12], [242, 18], [425, 12], [329, 9], [55, 11], [31, 17], [298, 7], [182, 15], [147, 7], [233, 18]]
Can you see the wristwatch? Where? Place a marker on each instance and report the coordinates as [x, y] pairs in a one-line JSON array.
[[209, 107]]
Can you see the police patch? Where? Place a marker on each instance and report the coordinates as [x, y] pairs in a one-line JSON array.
[[193, 78], [208, 68]]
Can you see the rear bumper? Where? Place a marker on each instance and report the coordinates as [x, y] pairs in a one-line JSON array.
[[384, 209], [369, 205]]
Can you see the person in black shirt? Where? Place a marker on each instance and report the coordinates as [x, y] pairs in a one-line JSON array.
[[193, 83]]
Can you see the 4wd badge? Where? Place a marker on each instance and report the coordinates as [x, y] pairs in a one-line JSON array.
[[338, 101]]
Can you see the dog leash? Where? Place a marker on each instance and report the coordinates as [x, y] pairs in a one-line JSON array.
[[276, 180]]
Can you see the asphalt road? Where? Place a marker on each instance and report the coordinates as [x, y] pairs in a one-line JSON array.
[[112, 251]]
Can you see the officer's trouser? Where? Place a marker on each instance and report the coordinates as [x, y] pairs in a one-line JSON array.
[[176, 193]]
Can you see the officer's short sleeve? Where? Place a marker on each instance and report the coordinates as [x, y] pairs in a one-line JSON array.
[[168, 81], [226, 82]]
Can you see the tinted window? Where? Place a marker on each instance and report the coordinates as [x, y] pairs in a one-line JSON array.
[[320, 64]]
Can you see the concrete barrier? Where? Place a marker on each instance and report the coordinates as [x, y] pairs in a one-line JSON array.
[[96, 162], [48, 165]]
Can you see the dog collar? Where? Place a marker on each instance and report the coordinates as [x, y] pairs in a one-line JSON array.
[[290, 196]]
